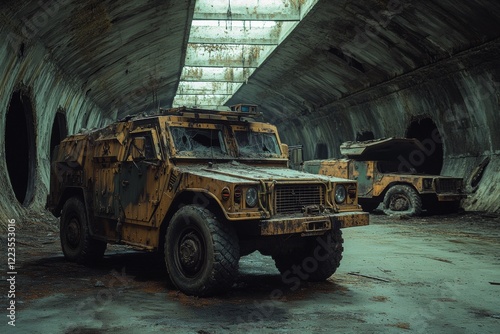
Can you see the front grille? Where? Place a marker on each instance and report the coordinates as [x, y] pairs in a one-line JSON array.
[[171, 181], [292, 198], [446, 186]]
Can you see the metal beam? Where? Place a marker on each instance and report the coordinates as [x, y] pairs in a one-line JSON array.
[[276, 10], [226, 55], [207, 88], [200, 100], [236, 32], [222, 74]]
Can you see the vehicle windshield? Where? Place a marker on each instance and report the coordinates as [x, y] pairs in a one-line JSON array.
[[257, 144], [197, 142]]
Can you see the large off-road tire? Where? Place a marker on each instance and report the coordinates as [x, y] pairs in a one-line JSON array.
[[317, 260], [76, 242], [201, 252], [402, 200]]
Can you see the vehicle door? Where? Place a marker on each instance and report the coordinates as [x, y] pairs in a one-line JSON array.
[[140, 178]]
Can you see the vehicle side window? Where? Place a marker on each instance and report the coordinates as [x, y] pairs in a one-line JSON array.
[[142, 148]]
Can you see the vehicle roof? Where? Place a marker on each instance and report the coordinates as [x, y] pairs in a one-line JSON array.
[[182, 114], [194, 115], [380, 149]]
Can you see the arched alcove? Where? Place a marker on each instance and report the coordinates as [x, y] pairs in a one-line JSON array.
[[59, 130], [364, 135], [321, 151], [20, 146], [425, 130]]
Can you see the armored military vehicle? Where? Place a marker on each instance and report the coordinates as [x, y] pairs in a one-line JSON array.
[[203, 188], [384, 173]]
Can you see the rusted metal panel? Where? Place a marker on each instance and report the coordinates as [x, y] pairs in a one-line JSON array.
[[313, 225], [363, 172], [379, 149], [450, 197], [72, 152], [325, 167], [279, 226], [351, 219]]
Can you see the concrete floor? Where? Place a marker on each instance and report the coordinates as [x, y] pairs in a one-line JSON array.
[[423, 275]]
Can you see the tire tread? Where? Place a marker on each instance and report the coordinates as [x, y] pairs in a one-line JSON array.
[[226, 252], [415, 200], [91, 250]]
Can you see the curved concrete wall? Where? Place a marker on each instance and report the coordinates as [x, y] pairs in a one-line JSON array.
[[319, 86], [461, 95], [29, 68]]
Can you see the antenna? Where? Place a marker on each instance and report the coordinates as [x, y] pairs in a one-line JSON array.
[[211, 148]]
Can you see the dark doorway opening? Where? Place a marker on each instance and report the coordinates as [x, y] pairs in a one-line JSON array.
[[321, 151], [59, 131], [20, 147], [365, 135], [430, 158]]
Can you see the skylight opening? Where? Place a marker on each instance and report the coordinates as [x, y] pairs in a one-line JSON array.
[[228, 41]]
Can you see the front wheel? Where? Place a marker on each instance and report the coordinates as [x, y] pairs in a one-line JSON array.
[[201, 253], [76, 241], [317, 260], [402, 200]]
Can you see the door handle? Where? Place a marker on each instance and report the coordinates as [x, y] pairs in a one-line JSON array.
[[125, 183]]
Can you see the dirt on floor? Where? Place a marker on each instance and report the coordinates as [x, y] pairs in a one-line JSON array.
[[398, 275]]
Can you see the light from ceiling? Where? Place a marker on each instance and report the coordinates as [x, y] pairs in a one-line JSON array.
[[228, 40]]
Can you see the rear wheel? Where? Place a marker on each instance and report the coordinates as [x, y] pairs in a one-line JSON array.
[[317, 260], [76, 242], [402, 200], [201, 253]]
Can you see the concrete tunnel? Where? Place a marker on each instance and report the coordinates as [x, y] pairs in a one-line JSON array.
[[350, 70]]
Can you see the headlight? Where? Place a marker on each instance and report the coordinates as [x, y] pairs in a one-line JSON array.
[[427, 183], [237, 195], [340, 194], [226, 193], [251, 197]]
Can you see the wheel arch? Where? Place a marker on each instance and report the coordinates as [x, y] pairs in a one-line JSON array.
[[67, 194], [397, 183], [75, 214], [80, 193], [188, 197]]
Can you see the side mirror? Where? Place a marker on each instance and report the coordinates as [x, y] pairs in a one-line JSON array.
[[284, 149], [137, 149]]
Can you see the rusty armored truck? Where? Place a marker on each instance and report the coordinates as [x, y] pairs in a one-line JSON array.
[[203, 188], [385, 175]]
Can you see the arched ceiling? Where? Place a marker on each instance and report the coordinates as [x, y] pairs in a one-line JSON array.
[[128, 56], [125, 55], [344, 50]]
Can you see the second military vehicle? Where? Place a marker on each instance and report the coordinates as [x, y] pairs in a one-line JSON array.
[[203, 188], [385, 175]]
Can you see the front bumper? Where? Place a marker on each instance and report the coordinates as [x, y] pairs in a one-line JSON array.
[[312, 225], [450, 197]]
